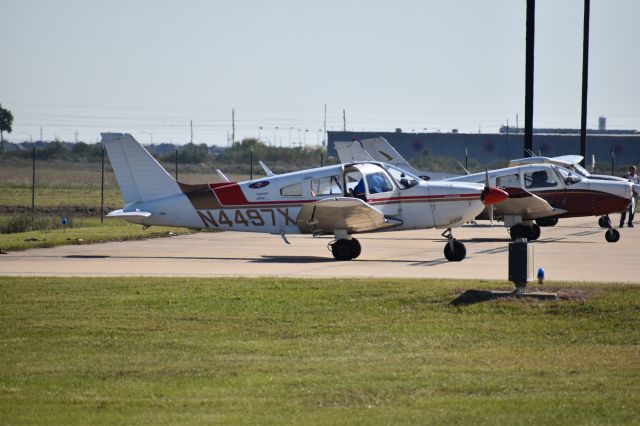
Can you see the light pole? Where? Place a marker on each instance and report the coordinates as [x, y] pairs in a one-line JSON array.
[[290, 129], [259, 132], [275, 140], [306, 131], [33, 180]]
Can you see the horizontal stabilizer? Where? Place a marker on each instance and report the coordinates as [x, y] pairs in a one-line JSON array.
[[132, 214]]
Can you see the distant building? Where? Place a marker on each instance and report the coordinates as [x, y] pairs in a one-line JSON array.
[[506, 145]]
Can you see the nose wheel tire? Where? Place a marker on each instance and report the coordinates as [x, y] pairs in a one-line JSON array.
[[612, 235], [455, 251], [531, 233], [344, 249]]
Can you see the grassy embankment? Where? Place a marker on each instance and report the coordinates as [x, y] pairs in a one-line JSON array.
[[282, 351]]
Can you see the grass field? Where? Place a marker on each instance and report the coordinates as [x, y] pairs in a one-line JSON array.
[[85, 231], [65, 184], [280, 351]]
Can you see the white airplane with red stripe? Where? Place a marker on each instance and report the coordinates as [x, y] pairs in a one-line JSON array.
[[340, 200]]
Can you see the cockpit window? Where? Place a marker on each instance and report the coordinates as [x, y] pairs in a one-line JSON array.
[[404, 179], [567, 176], [539, 179], [378, 182]]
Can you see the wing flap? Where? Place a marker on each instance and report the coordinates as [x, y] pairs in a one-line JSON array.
[[526, 204], [350, 214]]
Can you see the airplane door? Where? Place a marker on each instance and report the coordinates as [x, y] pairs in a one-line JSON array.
[[381, 191], [372, 183]]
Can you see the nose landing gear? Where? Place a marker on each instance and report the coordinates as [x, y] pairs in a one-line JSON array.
[[531, 232], [454, 250]]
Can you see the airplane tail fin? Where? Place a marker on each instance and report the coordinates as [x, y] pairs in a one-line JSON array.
[[140, 177]]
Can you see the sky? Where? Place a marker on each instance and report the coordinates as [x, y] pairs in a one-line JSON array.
[[150, 67]]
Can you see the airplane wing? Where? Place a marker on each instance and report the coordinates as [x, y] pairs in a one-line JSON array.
[[266, 169], [222, 175], [352, 152], [526, 204], [351, 214], [575, 159], [381, 150]]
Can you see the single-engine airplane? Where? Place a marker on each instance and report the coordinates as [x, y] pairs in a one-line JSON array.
[[340, 200], [540, 191]]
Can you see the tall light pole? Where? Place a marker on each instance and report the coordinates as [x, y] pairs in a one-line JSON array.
[[275, 140], [528, 95], [585, 78], [259, 132]]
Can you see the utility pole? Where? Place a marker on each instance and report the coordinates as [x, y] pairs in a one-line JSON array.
[[324, 134], [191, 126], [102, 188], [344, 120], [251, 163], [33, 185], [528, 96], [233, 126], [585, 78]]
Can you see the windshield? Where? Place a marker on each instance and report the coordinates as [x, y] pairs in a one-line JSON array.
[[567, 176], [579, 170], [403, 178]]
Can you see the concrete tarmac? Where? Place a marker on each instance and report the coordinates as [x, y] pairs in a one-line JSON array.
[[573, 250]]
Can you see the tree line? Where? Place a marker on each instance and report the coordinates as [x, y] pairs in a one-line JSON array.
[[238, 156]]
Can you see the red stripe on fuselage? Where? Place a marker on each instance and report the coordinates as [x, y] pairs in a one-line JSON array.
[[230, 194]]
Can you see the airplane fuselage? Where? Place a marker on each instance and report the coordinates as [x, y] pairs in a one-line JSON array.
[[273, 204]]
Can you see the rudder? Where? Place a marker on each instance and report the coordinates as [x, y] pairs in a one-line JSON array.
[[140, 177]]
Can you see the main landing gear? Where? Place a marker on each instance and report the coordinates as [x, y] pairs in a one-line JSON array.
[[530, 232], [454, 250], [604, 221], [345, 249], [547, 221]]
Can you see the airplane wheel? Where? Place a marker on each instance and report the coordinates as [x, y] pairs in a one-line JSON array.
[[456, 254], [519, 231], [547, 221], [604, 221], [355, 248], [612, 235], [533, 232], [342, 250]]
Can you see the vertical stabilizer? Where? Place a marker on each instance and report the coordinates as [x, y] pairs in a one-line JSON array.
[[140, 177]]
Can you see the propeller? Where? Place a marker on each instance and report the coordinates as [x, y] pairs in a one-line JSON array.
[[491, 196], [486, 187]]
